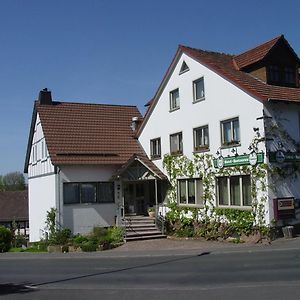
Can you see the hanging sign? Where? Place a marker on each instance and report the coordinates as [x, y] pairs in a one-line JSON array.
[[239, 160], [280, 156]]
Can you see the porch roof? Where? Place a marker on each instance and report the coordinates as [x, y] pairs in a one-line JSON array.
[[146, 162]]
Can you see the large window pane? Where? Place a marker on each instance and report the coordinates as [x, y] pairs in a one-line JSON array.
[[88, 192], [176, 143], [247, 200], [191, 191], [223, 191], [235, 194], [182, 191], [236, 130], [174, 99], [199, 89], [199, 192], [227, 132], [106, 192], [71, 193]]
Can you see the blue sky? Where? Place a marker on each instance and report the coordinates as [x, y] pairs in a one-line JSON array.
[[110, 51]]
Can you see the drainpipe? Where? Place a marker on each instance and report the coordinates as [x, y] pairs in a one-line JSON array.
[[58, 204], [156, 200]]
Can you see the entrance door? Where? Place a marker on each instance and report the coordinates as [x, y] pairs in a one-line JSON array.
[[134, 198]]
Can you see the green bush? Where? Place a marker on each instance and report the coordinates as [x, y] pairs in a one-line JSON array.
[[5, 239], [100, 232], [89, 246], [116, 234], [78, 240], [60, 237], [19, 240]]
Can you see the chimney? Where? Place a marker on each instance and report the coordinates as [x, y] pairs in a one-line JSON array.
[[135, 123], [45, 97]]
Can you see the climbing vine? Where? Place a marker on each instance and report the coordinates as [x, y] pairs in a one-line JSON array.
[[201, 165]]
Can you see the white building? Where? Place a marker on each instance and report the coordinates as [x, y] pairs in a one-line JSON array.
[[211, 102]]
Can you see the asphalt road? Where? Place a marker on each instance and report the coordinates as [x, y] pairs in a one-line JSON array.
[[246, 274]]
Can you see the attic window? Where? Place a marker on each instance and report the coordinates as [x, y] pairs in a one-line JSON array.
[[184, 68]]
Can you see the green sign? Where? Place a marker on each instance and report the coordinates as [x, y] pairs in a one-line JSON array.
[[280, 156], [240, 160]]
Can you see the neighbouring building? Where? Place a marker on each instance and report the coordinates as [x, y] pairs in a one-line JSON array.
[[14, 211], [95, 163], [84, 160]]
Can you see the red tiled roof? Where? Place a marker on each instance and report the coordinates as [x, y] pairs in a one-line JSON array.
[[79, 133], [256, 54], [223, 65], [14, 206]]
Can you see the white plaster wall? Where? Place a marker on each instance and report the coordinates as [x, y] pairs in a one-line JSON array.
[[81, 218], [223, 100], [42, 197], [40, 163], [287, 114]]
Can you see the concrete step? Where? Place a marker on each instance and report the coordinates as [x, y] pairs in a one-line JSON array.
[[141, 228], [143, 232], [145, 237]]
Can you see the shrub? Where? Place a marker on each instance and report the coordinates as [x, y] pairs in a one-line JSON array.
[[78, 240], [19, 240], [89, 246], [60, 237], [5, 239], [115, 234], [100, 232]]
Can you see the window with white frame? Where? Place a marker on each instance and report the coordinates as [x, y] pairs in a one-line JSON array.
[[174, 100], [234, 191], [176, 146], [201, 138], [190, 191], [88, 192], [198, 88], [230, 132], [155, 148]]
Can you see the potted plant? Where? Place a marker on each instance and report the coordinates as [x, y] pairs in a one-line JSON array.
[[151, 212]]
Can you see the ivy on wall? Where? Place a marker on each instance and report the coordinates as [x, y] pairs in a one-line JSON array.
[[201, 165]]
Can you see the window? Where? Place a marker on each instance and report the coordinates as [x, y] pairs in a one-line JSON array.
[[176, 143], [274, 73], [198, 87], [230, 132], [155, 148], [174, 100], [234, 191], [71, 193], [289, 75], [190, 191], [105, 192], [201, 139], [88, 192], [184, 68]]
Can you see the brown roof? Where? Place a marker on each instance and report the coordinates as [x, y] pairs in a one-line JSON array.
[[256, 54], [14, 206], [81, 133]]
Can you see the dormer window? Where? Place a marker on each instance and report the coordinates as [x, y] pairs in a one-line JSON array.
[[274, 74], [289, 75]]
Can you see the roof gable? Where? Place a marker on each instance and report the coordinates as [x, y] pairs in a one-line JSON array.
[[225, 65], [261, 52]]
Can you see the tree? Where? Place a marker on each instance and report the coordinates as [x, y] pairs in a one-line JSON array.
[[2, 188], [13, 181]]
